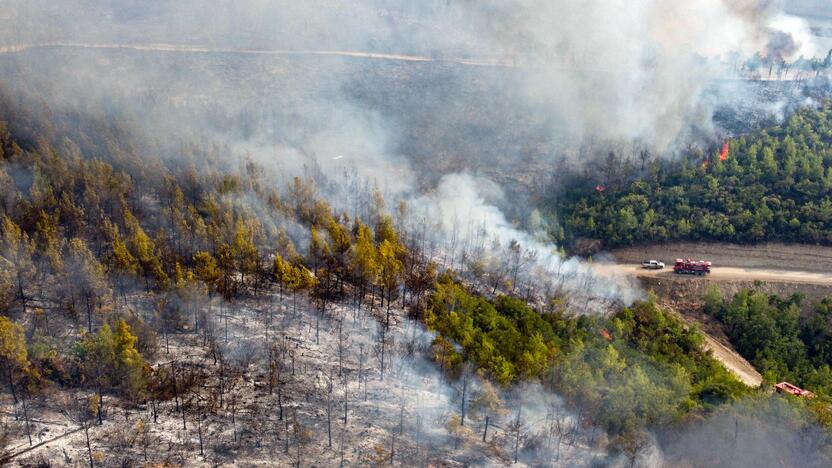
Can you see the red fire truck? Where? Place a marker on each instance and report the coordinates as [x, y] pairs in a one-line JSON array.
[[785, 387], [686, 266]]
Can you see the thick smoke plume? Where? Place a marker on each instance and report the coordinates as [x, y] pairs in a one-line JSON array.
[[449, 104], [476, 231], [425, 101], [602, 69]]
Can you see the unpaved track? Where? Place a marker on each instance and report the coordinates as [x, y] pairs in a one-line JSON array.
[[178, 48], [738, 254], [788, 266], [717, 343], [733, 362], [769, 256], [723, 273]]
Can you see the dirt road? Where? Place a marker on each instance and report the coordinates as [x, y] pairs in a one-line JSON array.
[[718, 344], [779, 268], [733, 362], [181, 48], [769, 256], [725, 273]]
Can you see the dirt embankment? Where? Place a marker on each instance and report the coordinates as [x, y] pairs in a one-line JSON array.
[[732, 361], [694, 288], [684, 295], [716, 341]]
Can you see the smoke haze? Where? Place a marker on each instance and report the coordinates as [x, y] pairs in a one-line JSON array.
[[496, 91], [486, 100]]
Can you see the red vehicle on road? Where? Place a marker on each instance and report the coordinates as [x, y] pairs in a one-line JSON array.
[[786, 387], [686, 266]]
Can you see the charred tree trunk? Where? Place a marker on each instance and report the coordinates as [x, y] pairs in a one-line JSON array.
[[26, 416], [11, 384], [199, 431], [329, 413], [485, 432], [89, 312], [89, 447], [464, 394], [100, 404]]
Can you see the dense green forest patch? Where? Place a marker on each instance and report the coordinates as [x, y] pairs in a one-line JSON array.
[[640, 367], [782, 344], [773, 185]]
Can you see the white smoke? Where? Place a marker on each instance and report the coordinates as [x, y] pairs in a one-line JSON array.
[[607, 71], [623, 70], [462, 208]]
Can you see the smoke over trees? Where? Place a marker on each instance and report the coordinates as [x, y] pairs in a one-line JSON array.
[[302, 231]]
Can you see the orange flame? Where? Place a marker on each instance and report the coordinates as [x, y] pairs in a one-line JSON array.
[[606, 335], [723, 155], [600, 188]]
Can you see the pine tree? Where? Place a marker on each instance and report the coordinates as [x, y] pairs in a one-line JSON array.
[[88, 277], [206, 270], [364, 259], [145, 251], [13, 355], [16, 252], [245, 253]]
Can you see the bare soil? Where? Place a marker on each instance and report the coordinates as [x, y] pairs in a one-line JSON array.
[[733, 362], [726, 273], [717, 342]]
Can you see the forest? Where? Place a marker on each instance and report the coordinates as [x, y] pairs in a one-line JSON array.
[[639, 368], [210, 295], [770, 185], [781, 342], [110, 265]]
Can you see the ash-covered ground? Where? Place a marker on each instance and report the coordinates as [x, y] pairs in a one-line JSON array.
[[329, 404]]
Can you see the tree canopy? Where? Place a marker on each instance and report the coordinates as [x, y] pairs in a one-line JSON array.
[[774, 184]]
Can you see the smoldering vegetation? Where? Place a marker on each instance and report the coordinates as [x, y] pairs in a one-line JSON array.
[[278, 380], [754, 432], [576, 79], [464, 146], [573, 82], [411, 130]]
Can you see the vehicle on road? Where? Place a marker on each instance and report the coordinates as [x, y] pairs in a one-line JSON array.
[[652, 265], [791, 389], [686, 266]]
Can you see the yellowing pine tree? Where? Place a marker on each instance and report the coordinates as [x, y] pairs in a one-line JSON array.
[[13, 355], [16, 250]]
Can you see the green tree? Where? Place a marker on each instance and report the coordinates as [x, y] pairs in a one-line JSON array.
[[145, 252], [245, 253], [207, 270], [391, 271], [364, 259], [13, 355], [109, 359]]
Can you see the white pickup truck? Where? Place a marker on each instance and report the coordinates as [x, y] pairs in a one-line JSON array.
[[652, 265]]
